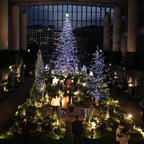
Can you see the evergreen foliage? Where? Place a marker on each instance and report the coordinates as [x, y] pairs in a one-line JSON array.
[[39, 72], [97, 81], [66, 60]]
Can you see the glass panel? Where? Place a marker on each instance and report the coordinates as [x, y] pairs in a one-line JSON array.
[[50, 15], [88, 16], [93, 16], [55, 16], [50, 8], [45, 12], [79, 8], [59, 16], [21, 8], [55, 8], [78, 24], [60, 8], [74, 24], [93, 9], [98, 9], [40, 22], [83, 23], [88, 9], [79, 15], [41, 12], [59, 24], [84, 13], [69, 8], [64, 8], [35, 12], [45, 23], [31, 13], [30, 23], [74, 15], [74, 8], [108, 9], [35, 22]]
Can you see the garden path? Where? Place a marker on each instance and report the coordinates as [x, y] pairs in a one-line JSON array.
[[129, 106], [9, 105]]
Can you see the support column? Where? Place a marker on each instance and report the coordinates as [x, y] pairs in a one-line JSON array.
[[131, 44], [106, 44], [3, 24], [117, 29], [15, 36], [23, 31]]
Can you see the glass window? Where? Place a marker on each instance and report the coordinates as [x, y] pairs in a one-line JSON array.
[[31, 13], [35, 22], [35, 12], [50, 8], [79, 15], [30, 23], [59, 24], [74, 15], [69, 8], [41, 12], [60, 8], [55, 16], [88, 9], [84, 13], [74, 24], [45, 23], [50, 15], [74, 8], [59, 15], [45, 12], [78, 24], [98, 9], [88, 16], [64, 8], [22, 9], [55, 8], [79, 8], [93, 9]]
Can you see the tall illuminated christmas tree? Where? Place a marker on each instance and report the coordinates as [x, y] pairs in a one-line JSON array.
[[97, 81], [66, 60], [39, 72]]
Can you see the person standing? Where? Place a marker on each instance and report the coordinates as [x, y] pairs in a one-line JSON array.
[[125, 137], [86, 105], [65, 100], [77, 130], [55, 102], [119, 133]]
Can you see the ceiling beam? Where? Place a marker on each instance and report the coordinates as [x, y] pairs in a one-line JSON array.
[[105, 3]]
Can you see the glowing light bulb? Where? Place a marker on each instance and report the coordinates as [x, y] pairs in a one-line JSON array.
[[67, 15], [91, 73], [130, 115], [55, 81]]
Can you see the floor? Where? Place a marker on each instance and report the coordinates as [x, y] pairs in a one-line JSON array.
[[9, 106]]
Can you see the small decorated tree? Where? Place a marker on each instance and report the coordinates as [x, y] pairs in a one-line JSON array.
[[97, 82], [39, 73]]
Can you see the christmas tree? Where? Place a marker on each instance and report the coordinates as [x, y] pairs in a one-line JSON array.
[[97, 81], [66, 60], [39, 73]]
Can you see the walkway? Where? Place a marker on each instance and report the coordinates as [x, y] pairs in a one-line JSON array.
[[129, 106], [9, 105]]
